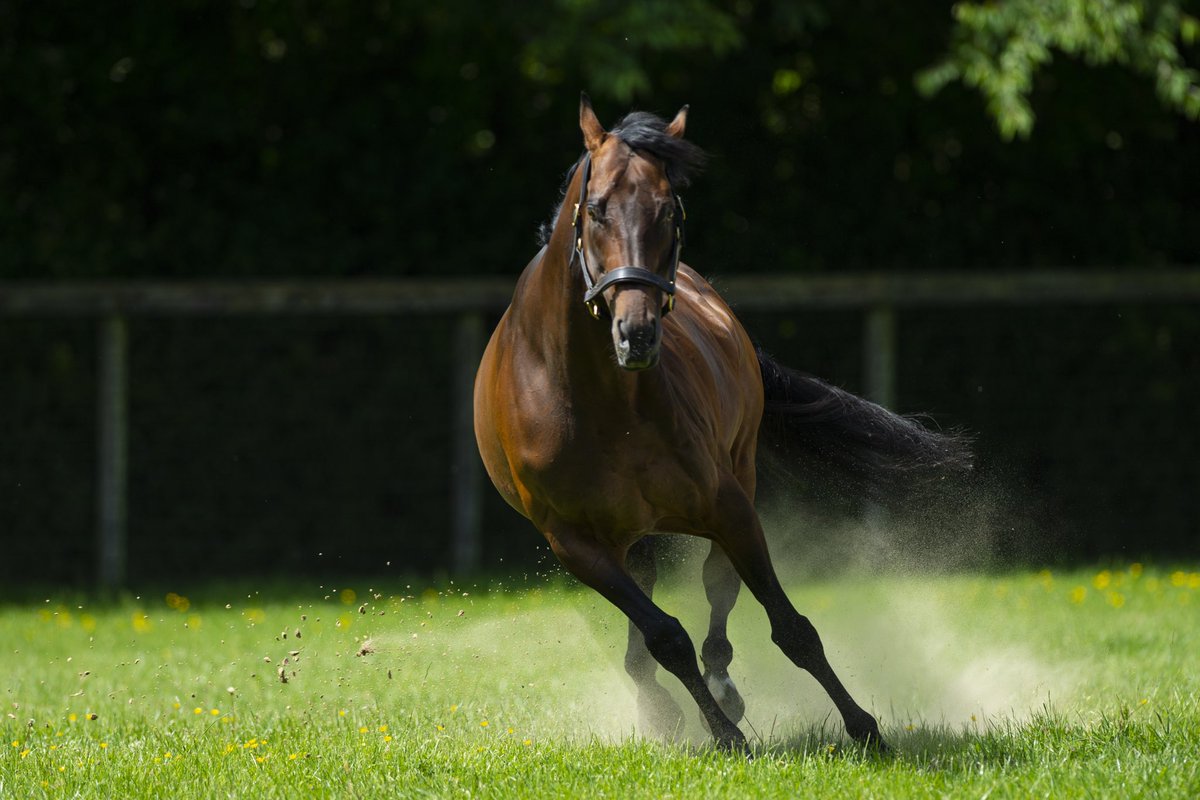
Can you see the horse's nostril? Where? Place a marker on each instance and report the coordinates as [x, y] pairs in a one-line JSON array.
[[622, 333]]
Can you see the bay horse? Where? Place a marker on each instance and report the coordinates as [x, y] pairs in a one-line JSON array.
[[620, 397]]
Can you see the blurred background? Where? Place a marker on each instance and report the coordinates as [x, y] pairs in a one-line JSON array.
[[259, 140]]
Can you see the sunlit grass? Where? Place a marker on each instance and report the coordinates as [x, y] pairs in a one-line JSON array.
[[1080, 683]]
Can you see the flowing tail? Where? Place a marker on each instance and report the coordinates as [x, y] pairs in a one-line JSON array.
[[880, 452]]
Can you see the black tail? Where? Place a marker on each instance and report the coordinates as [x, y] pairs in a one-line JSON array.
[[880, 452]]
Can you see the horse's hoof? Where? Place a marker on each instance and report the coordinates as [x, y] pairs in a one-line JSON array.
[[866, 732], [734, 741], [725, 692]]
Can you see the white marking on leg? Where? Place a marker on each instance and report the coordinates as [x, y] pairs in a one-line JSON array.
[[720, 687]]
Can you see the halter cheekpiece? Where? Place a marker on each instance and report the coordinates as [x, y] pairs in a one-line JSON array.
[[624, 274]]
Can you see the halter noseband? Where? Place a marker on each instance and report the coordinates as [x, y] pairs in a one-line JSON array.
[[624, 274]]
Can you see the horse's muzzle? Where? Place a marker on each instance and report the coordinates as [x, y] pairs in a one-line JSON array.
[[637, 346]]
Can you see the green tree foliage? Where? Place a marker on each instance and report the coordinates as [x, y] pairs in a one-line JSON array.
[[998, 48]]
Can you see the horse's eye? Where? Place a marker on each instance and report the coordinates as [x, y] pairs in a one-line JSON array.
[[594, 214]]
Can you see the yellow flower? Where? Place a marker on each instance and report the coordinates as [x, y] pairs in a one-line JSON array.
[[24, 752], [1078, 594], [292, 756], [16, 743], [454, 708], [341, 712], [62, 769], [1135, 569], [1102, 579], [383, 728], [72, 717], [104, 745], [1116, 599], [363, 729], [441, 727], [387, 738], [215, 712], [197, 710], [527, 742], [483, 724]]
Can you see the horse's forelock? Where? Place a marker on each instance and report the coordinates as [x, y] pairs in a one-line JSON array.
[[644, 131]]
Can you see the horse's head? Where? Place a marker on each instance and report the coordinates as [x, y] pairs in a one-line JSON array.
[[629, 226]]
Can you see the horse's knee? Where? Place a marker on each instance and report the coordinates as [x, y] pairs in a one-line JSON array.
[[670, 645]]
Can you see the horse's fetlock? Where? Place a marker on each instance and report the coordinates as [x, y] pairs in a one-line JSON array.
[[716, 653]]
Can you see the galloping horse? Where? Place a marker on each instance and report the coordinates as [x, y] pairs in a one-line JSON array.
[[620, 397]]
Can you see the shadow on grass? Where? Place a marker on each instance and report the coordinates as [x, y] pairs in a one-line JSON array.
[[999, 744]]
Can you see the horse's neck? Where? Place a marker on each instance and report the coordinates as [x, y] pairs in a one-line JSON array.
[[552, 321]]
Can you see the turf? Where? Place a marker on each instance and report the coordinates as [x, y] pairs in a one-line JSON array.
[[1077, 684]]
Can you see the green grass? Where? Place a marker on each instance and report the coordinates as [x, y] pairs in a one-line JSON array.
[[1075, 684]]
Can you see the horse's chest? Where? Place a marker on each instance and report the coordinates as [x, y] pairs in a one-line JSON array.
[[619, 475]]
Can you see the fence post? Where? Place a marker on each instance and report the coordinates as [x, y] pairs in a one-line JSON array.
[[466, 469], [112, 450]]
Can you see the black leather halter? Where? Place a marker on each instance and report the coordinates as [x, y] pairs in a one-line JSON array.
[[624, 274]]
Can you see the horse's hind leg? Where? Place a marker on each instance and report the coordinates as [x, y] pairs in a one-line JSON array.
[[739, 532], [602, 569], [657, 710], [721, 585]]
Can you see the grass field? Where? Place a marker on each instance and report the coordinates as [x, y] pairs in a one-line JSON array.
[[1078, 684]]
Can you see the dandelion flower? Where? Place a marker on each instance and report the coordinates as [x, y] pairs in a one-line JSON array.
[[197, 710], [483, 724]]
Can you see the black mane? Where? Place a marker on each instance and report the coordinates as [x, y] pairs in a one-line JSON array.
[[646, 132]]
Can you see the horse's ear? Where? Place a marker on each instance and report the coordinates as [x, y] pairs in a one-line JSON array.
[[678, 124], [593, 131]]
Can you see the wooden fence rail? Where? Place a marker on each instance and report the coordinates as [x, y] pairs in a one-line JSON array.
[[470, 299]]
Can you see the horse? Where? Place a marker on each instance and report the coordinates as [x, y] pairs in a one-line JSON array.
[[620, 397]]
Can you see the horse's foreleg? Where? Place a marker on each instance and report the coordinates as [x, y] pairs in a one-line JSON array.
[[603, 570], [740, 534], [721, 585], [657, 710]]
